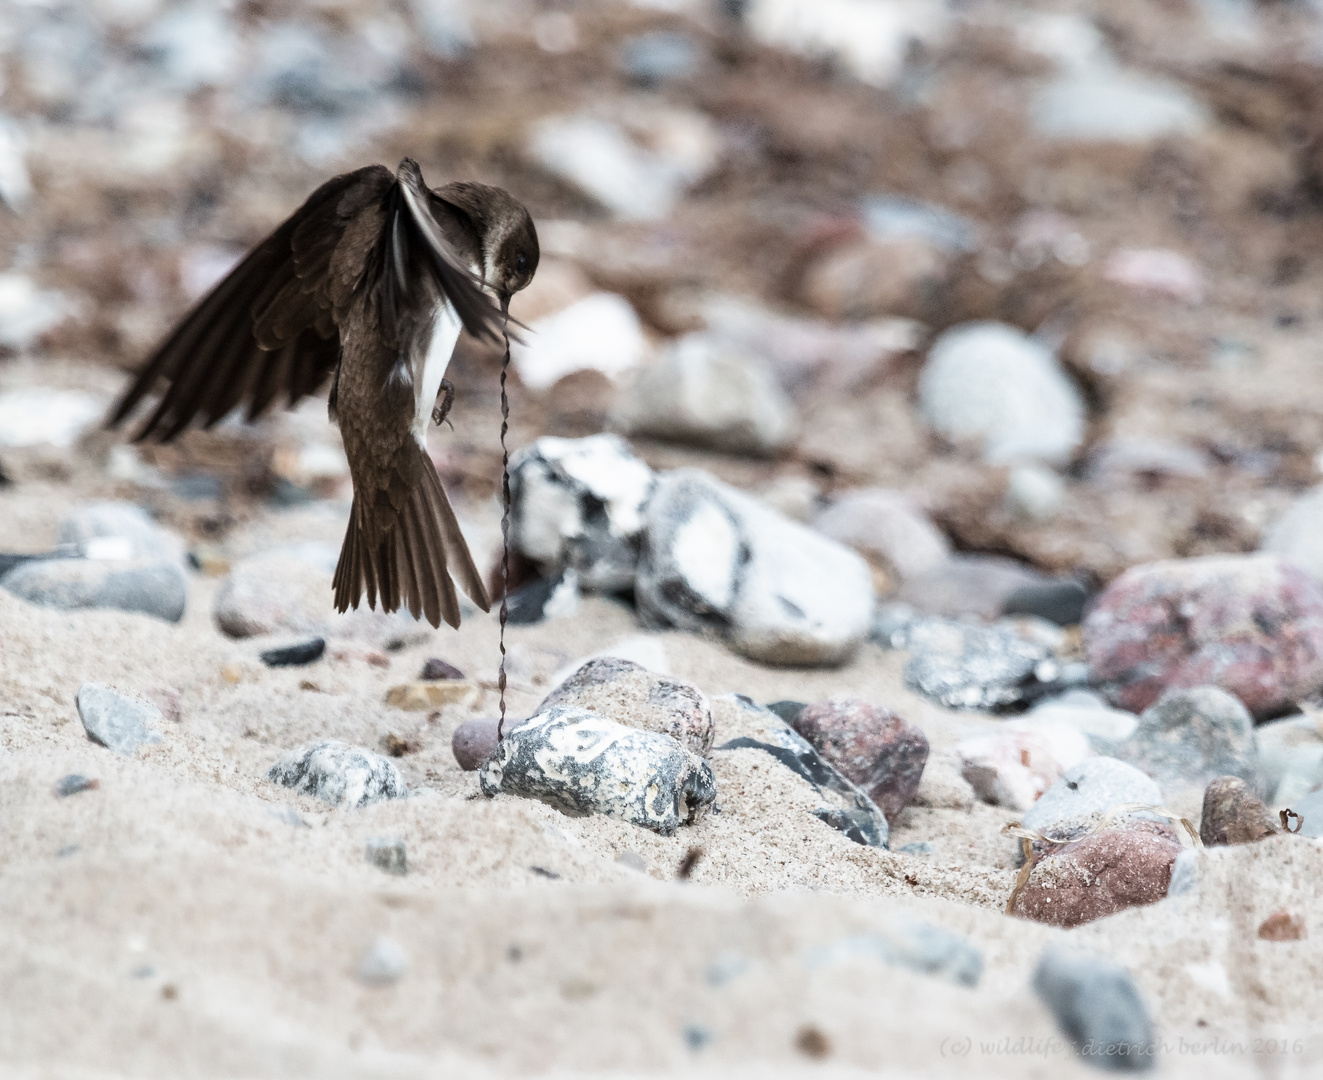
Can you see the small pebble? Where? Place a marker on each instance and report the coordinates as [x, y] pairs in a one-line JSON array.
[[1283, 926], [918, 847], [396, 746], [388, 854], [1233, 814], [383, 964], [633, 860], [117, 721], [74, 783], [435, 670], [1098, 1007], [340, 774], [301, 652], [474, 741], [424, 696]]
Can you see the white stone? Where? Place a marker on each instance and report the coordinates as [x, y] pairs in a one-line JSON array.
[[579, 503], [1104, 103], [601, 332], [869, 38], [715, 558], [1013, 765], [1290, 758], [1098, 721], [44, 416], [887, 526], [1035, 493], [1298, 533], [990, 384], [27, 312], [1086, 792], [383, 964], [15, 183], [708, 392]]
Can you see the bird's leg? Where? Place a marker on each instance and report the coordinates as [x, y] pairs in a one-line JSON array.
[[440, 412]]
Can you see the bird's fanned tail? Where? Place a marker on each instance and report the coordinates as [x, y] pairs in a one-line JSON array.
[[409, 562]]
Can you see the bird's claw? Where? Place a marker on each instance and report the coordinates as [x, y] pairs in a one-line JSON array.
[[442, 411]]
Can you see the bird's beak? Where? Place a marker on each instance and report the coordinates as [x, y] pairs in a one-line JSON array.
[[504, 296]]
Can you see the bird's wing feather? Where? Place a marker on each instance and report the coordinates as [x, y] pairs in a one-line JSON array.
[[267, 327]]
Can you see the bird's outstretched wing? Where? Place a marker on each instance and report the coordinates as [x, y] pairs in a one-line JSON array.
[[271, 326]]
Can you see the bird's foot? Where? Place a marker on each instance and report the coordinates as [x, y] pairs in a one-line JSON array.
[[442, 411]]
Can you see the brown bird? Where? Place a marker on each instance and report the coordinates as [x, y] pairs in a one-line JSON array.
[[370, 282]]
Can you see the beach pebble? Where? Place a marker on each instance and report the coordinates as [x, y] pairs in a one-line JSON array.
[[864, 276], [704, 391], [978, 585], [544, 598], [287, 590], [436, 669], [342, 775], [130, 564], [917, 847], [578, 503], [1283, 925], [888, 529], [991, 385], [423, 696], [599, 333], [963, 666], [583, 764], [1310, 808], [117, 721], [1298, 534], [75, 783], [1013, 765], [1250, 624], [1034, 493], [660, 56], [1192, 736], [1099, 875], [1084, 795], [1060, 602], [296, 654], [848, 810], [1088, 714], [474, 740], [1233, 814], [1097, 1006], [909, 943], [1290, 755], [629, 693], [388, 854], [384, 964], [871, 746], [716, 559]]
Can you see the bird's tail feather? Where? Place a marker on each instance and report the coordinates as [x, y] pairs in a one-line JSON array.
[[408, 563]]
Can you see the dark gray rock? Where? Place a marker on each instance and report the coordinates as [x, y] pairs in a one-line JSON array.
[[1098, 1008], [629, 693], [715, 559], [295, 655], [583, 764], [578, 504], [1060, 602], [75, 783], [435, 670], [786, 710], [1193, 736], [544, 598], [909, 943], [117, 721], [848, 810], [1084, 795], [343, 775], [388, 854]]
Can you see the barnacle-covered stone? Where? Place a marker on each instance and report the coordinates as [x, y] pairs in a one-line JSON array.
[[582, 764]]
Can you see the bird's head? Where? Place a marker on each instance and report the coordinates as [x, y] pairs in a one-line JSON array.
[[508, 240]]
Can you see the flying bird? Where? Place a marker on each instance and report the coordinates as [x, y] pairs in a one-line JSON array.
[[370, 283]]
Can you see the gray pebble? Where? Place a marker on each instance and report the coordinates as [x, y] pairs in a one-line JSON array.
[[975, 667], [1098, 1007], [582, 764], [343, 775], [633, 860], [383, 964], [73, 784], [1192, 737], [296, 654], [117, 721], [910, 943], [918, 847], [388, 854], [1085, 793], [74, 584]]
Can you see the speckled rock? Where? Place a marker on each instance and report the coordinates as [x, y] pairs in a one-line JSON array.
[[629, 693], [1099, 874], [1250, 624], [963, 666], [1192, 736], [871, 746], [583, 764], [1098, 1007], [578, 504], [715, 559], [1013, 765], [1233, 814], [117, 721], [342, 775], [1084, 795]]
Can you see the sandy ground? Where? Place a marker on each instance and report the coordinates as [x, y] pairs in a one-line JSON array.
[[189, 918]]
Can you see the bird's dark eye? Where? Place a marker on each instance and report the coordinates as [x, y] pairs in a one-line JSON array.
[[521, 264]]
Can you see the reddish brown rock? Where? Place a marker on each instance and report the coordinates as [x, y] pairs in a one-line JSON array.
[[474, 741], [1250, 624], [436, 669], [1099, 875], [1233, 814], [1283, 926], [872, 747]]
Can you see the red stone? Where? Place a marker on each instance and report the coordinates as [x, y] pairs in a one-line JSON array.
[[1099, 875], [1283, 926], [872, 747], [1250, 624]]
